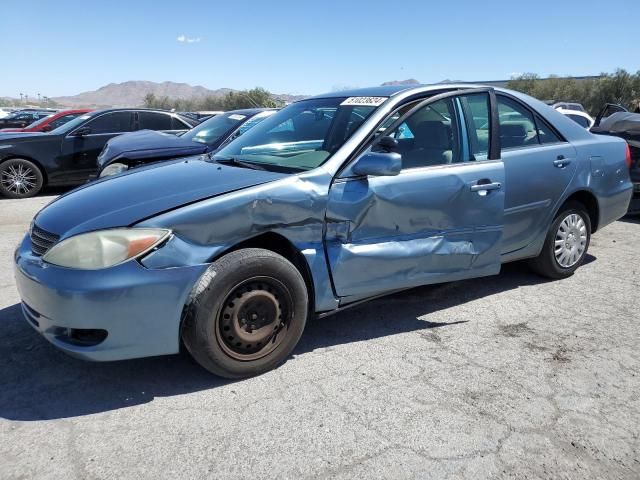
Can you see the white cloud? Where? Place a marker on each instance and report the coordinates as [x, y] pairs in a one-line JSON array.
[[184, 39]]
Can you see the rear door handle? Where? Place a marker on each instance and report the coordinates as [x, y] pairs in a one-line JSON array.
[[483, 188], [561, 162]]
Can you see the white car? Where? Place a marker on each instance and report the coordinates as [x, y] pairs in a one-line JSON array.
[[4, 111], [569, 106], [581, 118]]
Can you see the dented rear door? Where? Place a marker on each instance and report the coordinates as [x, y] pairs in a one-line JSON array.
[[426, 225]]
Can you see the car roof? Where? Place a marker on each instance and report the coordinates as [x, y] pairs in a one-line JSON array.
[[134, 109]]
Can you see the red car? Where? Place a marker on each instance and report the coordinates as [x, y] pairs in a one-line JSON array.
[[49, 123]]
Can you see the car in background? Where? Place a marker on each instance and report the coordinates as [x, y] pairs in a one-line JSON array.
[[23, 118], [615, 120], [202, 115], [581, 118], [67, 155], [50, 122], [569, 106], [328, 202], [142, 147], [4, 111]]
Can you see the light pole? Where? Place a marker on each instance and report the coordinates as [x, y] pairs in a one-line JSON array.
[[21, 95]]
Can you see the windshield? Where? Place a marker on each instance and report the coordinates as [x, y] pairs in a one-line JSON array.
[[67, 127], [303, 135], [212, 130]]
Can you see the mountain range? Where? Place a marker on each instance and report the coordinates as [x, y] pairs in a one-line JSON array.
[[132, 93]]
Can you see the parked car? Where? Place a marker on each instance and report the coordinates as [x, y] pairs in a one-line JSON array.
[[581, 118], [23, 118], [67, 155], [4, 111], [146, 146], [51, 122], [569, 106], [330, 201], [617, 121], [202, 115]]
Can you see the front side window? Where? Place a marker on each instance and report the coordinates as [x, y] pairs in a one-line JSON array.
[[303, 135], [430, 136], [114, 122]]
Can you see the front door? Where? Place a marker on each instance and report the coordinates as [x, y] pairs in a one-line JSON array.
[[440, 219], [80, 152]]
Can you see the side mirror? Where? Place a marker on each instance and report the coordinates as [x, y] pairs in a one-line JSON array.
[[378, 164], [47, 128], [82, 131]]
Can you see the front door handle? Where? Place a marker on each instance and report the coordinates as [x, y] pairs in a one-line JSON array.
[[561, 161]]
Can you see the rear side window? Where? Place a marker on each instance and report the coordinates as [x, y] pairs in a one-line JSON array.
[[154, 121], [114, 122], [545, 133], [517, 125]]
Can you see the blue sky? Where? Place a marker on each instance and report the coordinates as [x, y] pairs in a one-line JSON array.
[[305, 46]]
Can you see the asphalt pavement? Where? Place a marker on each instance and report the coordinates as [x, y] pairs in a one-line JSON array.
[[511, 376]]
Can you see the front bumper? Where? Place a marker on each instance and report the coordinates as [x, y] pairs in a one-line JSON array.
[[138, 308]]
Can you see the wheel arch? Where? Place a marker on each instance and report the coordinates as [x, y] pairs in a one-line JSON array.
[[281, 245], [590, 202]]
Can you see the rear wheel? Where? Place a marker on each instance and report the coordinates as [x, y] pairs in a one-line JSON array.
[[566, 244], [247, 314], [20, 178]]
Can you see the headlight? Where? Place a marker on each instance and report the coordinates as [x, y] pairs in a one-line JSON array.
[[104, 248], [114, 169]]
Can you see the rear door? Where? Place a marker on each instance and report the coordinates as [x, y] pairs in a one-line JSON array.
[[539, 165], [440, 219]]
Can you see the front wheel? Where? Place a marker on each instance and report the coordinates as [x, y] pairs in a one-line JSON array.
[[566, 244], [246, 314], [20, 178]]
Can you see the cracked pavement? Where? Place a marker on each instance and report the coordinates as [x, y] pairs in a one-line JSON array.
[[509, 376]]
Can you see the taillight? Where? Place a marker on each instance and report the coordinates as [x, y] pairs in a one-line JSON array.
[[628, 158]]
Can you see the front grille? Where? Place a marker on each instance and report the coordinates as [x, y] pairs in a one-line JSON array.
[[41, 240]]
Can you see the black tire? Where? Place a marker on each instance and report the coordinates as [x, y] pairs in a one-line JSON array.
[[20, 178], [546, 264], [246, 314]]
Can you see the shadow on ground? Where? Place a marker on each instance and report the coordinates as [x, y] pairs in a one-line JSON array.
[[41, 383]]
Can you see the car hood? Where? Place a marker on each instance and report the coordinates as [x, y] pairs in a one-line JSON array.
[[20, 137], [147, 142], [126, 199]]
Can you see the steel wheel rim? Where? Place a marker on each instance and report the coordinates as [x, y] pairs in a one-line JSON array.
[[19, 179], [570, 241], [254, 318]]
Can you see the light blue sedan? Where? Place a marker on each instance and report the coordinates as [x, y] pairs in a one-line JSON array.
[[331, 201]]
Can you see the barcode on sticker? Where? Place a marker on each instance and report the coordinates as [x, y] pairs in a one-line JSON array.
[[364, 101]]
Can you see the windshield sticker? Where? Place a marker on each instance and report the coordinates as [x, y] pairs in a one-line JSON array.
[[235, 116], [364, 101]]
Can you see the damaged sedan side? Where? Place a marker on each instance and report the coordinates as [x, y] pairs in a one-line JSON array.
[[328, 202]]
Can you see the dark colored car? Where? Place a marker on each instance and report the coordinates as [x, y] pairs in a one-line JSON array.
[[136, 148], [23, 118], [50, 122], [67, 155], [617, 121]]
